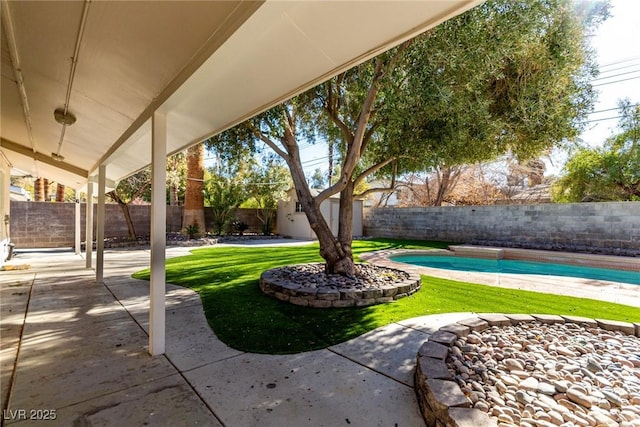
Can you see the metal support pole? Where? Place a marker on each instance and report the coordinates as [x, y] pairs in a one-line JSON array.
[[77, 225], [158, 233], [89, 225], [102, 171]]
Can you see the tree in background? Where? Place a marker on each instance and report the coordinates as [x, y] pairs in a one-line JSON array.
[[269, 182], [609, 173], [225, 184], [223, 195], [60, 192], [317, 180], [177, 177], [462, 185], [40, 189], [193, 214], [135, 187], [507, 75]]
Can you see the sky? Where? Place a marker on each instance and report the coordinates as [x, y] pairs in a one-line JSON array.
[[617, 42]]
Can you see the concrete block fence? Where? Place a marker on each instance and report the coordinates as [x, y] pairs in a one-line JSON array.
[[52, 225], [612, 227]]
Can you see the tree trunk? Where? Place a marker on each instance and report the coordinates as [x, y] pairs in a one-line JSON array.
[[60, 193], [338, 261], [47, 190], [345, 227], [443, 185], [127, 217], [337, 255], [194, 197], [335, 251], [173, 195], [266, 217], [38, 190], [125, 211]]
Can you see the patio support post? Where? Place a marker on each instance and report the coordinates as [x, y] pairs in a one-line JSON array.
[[158, 233], [89, 224], [102, 171], [77, 224]]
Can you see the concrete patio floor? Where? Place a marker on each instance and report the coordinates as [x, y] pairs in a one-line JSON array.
[[77, 350]]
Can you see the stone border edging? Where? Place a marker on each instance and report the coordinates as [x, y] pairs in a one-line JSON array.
[[441, 400], [303, 295], [142, 243]]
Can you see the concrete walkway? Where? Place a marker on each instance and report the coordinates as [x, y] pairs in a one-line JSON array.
[[76, 351]]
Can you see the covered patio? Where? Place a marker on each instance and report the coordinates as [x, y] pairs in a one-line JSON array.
[[94, 91]]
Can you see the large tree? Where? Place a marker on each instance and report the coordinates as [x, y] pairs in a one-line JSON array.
[[507, 75], [607, 173], [193, 214]]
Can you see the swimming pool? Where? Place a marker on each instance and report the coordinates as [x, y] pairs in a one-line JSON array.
[[509, 266]]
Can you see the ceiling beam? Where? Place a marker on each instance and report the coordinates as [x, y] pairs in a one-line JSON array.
[[28, 152]]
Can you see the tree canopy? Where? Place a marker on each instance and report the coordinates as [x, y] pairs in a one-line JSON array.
[[607, 173], [507, 75]]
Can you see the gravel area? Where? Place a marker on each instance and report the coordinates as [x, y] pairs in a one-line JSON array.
[[367, 276], [535, 374]]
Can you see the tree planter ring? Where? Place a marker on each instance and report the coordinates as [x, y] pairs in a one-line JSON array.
[[307, 285]]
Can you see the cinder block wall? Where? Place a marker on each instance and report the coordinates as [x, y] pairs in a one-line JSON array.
[[577, 225], [52, 225]]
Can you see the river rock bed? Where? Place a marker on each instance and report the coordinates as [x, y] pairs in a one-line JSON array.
[[561, 374], [309, 285], [367, 276]]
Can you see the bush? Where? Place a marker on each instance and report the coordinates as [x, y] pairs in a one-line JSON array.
[[239, 227]]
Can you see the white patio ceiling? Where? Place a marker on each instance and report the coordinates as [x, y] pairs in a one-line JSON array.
[[207, 65]]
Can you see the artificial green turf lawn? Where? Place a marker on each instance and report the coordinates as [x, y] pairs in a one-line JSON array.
[[244, 318]]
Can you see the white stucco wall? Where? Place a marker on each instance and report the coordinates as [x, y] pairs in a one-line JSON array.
[[291, 223], [295, 224], [358, 208]]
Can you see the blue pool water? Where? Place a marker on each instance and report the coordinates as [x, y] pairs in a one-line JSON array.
[[518, 267]]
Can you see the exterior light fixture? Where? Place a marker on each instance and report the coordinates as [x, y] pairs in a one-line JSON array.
[[57, 157], [65, 119]]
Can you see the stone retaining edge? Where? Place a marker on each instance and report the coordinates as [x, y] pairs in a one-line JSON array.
[[299, 294], [441, 400]]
